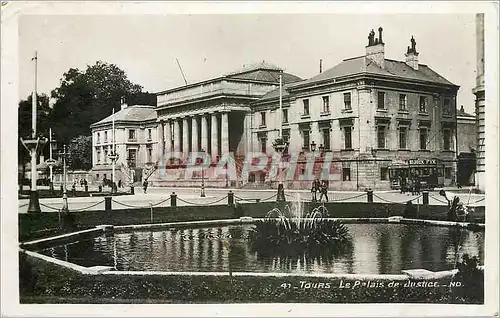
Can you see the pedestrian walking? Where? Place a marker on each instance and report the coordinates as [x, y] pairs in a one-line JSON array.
[[314, 190], [324, 191], [418, 185], [145, 185]]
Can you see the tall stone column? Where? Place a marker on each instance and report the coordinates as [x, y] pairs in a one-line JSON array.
[[215, 137], [194, 134], [168, 136], [160, 141], [177, 135], [224, 133], [204, 133], [185, 136]]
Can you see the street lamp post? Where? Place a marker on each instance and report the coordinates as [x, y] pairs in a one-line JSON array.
[[113, 156], [64, 153], [51, 162], [279, 144], [203, 175], [34, 145]]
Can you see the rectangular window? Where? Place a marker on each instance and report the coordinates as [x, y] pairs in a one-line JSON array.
[[131, 134], [105, 136], [263, 119], [98, 156], [447, 106], [285, 116], [423, 104], [348, 137], [98, 137], [381, 137], [263, 145], [423, 139], [105, 156], [383, 173], [403, 137], [403, 102], [381, 100], [326, 138], [306, 107], [305, 134], [447, 139], [326, 104], [132, 157], [149, 134], [149, 153], [346, 174], [347, 101]]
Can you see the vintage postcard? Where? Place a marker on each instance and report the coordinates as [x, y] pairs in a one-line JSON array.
[[249, 158]]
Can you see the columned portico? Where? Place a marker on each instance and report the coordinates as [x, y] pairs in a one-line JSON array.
[[215, 137], [204, 133], [194, 133], [177, 135], [168, 136], [185, 135], [161, 140], [225, 133]]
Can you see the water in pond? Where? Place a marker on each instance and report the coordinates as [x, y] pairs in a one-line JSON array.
[[377, 249]]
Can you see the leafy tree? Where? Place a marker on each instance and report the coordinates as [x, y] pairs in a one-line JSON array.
[[84, 98], [80, 150]]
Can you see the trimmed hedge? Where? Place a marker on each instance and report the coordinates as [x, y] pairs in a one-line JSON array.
[[41, 282]]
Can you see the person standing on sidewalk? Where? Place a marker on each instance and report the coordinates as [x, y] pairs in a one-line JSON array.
[[314, 190], [145, 185], [324, 191]]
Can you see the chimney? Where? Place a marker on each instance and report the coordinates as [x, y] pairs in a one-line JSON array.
[[412, 55], [320, 65], [123, 103], [375, 48]]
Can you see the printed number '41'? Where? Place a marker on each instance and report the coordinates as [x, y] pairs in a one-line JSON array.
[[285, 285]]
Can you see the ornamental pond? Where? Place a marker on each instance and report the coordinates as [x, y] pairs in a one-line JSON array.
[[376, 248]]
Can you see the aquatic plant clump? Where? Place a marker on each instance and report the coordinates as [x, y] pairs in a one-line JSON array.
[[290, 233]]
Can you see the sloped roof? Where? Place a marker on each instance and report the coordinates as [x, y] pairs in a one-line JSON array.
[[394, 68], [275, 93], [262, 71], [461, 113], [135, 113]]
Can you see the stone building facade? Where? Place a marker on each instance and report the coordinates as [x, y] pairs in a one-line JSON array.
[[135, 144], [368, 111], [363, 114]]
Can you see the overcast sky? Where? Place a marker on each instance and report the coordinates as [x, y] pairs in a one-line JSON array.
[[146, 46]]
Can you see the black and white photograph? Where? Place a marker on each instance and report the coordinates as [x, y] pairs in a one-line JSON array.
[[272, 157]]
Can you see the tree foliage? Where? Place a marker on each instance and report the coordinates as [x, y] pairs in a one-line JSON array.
[[24, 128], [82, 98], [80, 153]]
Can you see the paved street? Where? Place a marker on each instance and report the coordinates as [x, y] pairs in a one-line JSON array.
[[191, 196]]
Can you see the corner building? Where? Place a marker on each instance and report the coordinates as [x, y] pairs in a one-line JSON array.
[[370, 112]]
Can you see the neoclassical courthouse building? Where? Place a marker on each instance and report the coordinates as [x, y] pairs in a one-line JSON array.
[[366, 112]]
